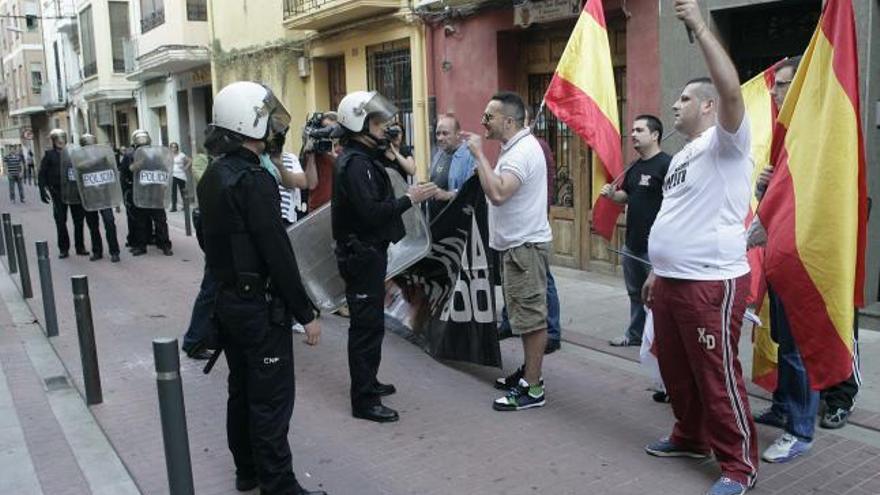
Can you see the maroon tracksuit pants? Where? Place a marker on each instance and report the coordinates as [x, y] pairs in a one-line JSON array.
[[697, 328]]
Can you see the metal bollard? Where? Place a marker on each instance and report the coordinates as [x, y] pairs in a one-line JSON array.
[[187, 216], [47, 289], [10, 242], [86, 331], [188, 197], [3, 245], [173, 414], [27, 291]]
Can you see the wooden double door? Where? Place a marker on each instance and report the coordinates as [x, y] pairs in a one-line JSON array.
[[575, 187]]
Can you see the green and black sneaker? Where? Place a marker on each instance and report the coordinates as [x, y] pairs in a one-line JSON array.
[[520, 397]]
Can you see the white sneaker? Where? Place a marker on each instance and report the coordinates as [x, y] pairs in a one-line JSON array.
[[297, 328], [786, 448]]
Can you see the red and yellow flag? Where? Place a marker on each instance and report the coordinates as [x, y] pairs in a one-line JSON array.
[[762, 112], [582, 94], [815, 208]]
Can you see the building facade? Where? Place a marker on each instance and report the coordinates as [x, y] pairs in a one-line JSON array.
[[168, 56], [23, 116]]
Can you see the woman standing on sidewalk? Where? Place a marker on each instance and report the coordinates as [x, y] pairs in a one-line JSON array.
[[181, 164]]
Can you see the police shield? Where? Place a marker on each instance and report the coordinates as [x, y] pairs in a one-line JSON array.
[[416, 244], [97, 177], [69, 189], [151, 169], [312, 241]]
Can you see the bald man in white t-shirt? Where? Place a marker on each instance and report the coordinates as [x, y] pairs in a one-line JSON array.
[[700, 279]]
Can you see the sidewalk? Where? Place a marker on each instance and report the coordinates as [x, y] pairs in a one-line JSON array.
[[588, 440]]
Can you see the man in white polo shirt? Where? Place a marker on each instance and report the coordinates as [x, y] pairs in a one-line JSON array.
[[518, 229], [698, 288]]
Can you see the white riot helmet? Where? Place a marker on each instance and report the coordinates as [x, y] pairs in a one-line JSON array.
[[87, 139], [357, 107], [250, 109], [58, 135], [140, 137]]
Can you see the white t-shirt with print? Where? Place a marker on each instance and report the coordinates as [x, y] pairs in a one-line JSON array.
[[699, 233], [523, 217], [290, 198], [179, 162]]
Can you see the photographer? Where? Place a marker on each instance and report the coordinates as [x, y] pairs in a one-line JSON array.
[[399, 156], [366, 218], [319, 157]]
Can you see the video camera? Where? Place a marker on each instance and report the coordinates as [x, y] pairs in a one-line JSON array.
[[318, 133]]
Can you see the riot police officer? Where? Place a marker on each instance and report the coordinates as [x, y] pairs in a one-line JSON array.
[[49, 181], [248, 253], [366, 218], [107, 217], [143, 223]]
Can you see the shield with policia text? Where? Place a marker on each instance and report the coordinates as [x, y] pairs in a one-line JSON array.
[[69, 190], [313, 244], [151, 169], [446, 301], [97, 177]]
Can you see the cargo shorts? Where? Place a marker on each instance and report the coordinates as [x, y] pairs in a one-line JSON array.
[[525, 286]]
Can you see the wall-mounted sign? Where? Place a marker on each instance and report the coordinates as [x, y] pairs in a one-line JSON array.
[[536, 11]]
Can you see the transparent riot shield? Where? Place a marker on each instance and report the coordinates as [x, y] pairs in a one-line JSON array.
[[416, 244], [97, 177], [313, 244], [151, 169], [69, 189]]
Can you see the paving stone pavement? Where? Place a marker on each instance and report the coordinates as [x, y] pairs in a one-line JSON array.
[[587, 440]]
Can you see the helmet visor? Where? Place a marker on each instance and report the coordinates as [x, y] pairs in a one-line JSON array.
[[279, 117], [379, 106]]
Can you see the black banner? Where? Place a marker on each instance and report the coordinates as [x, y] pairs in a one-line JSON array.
[[446, 301]]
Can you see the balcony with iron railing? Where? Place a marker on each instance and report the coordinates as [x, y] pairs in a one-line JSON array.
[[324, 14], [152, 20]]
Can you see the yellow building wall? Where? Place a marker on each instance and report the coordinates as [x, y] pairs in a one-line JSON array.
[[353, 45]]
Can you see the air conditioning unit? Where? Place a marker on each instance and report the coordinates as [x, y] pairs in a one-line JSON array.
[[304, 66]]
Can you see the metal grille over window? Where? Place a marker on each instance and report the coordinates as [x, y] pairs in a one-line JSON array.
[[390, 73], [558, 136]]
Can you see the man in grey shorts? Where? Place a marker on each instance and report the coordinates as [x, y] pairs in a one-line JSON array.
[[518, 228]]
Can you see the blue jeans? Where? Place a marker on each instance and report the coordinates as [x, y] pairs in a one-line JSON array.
[[554, 331], [793, 397], [201, 324], [634, 275]]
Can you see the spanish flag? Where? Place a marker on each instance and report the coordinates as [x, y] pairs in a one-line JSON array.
[[815, 208], [582, 94], [762, 112]]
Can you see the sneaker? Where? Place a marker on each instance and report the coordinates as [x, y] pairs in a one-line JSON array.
[[510, 381], [624, 342], [298, 328], [519, 398], [727, 486], [552, 346], [835, 418], [665, 448], [786, 448], [661, 397], [770, 417], [114, 258]]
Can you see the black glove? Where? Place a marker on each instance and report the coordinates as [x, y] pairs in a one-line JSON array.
[[43, 196]]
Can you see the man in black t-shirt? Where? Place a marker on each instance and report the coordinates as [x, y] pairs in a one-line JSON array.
[[642, 191]]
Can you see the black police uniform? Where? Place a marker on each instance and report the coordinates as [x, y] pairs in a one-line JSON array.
[[49, 181], [366, 218], [143, 223], [247, 251]]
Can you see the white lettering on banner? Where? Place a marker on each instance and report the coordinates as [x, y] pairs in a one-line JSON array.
[[95, 179], [471, 300], [153, 177], [70, 175]]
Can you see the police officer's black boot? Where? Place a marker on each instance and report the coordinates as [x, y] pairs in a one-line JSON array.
[[384, 389], [378, 413]]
